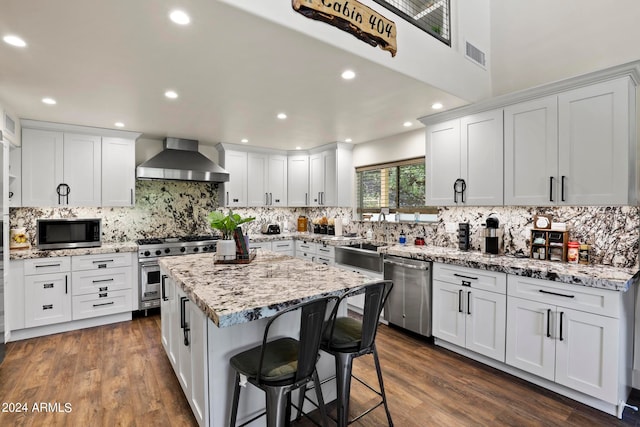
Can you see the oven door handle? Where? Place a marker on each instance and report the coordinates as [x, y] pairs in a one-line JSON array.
[[149, 264]]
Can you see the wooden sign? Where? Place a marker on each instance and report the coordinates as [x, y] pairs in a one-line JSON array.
[[353, 17]]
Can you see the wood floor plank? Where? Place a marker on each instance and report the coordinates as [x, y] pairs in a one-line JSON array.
[[119, 375]]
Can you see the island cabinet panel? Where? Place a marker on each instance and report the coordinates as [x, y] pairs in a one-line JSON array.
[[184, 338]]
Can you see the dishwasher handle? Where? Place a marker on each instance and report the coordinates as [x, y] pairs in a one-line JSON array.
[[411, 266]]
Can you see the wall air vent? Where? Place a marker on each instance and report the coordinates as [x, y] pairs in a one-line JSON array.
[[475, 55]]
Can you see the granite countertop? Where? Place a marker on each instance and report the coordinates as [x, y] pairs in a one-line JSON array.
[[106, 248], [598, 276], [230, 294]]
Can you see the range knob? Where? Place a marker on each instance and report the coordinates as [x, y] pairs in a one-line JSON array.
[[195, 249], [147, 253], [182, 249], [166, 251], [212, 248], [205, 249], [158, 252]]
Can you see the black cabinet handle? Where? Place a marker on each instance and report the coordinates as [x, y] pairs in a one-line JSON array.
[[163, 290], [183, 321], [549, 323], [551, 189], [66, 284], [542, 291], [63, 191], [460, 301], [103, 304], [561, 314], [132, 197], [463, 187], [465, 277], [562, 188], [469, 302]]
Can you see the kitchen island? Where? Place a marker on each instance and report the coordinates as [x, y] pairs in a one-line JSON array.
[[212, 311]]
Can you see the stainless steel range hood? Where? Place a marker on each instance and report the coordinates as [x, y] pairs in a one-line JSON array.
[[181, 161]]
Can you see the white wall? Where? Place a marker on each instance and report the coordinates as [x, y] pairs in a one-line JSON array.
[[542, 41], [397, 147], [419, 55]]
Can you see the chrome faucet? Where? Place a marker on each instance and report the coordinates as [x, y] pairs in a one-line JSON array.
[[382, 218]]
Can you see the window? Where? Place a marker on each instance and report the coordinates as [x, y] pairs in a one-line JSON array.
[[398, 186], [431, 16]]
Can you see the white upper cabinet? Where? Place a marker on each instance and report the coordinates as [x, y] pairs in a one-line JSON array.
[[267, 179], [331, 176], [234, 191], [298, 180], [531, 152], [15, 176], [574, 148], [464, 161], [118, 171], [68, 165]]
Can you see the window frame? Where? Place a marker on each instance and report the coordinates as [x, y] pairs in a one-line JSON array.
[[409, 19]]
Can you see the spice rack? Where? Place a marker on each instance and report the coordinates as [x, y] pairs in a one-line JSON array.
[[550, 245]]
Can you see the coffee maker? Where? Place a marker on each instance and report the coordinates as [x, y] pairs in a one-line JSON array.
[[492, 236]]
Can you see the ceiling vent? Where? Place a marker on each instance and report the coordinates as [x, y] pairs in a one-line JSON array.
[[475, 55]]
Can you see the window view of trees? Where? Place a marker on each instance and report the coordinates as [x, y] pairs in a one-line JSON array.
[[396, 187]]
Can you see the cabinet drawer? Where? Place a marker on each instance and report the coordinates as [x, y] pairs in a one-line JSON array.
[[48, 299], [101, 304], [304, 246], [90, 281], [260, 245], [326, 251], [321, 259], [475, 278], [592, 300], [100, 261], [47, 265], [305, 255], [282, 246]]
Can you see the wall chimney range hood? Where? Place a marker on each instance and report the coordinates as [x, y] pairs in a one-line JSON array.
[[181, 161]]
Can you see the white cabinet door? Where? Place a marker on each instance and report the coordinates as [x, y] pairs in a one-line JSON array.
[[118, 172], [448, 313], [330, 192], [182, 341], [15, 176], [199, 400], [298, 181], [531, 153], [277, 180], [82, 169], [594, 144], [587, 353], [42, 157], [235, 190], [257, 179], [486, 314], [167, 316], [443, 154], [47, 299], [316, 179], [531, 337], [482, 158]]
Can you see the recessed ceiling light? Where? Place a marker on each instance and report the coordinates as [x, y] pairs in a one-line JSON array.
[[119, 124], [171, 94], [348, 74], [282, 116], [298, 148], [14, 41], [49, 101], [179, 17], [437, 106], [407, 124], [348, 140], [244, 140]]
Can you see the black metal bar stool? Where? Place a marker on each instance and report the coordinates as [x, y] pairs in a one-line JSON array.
[[284, 364], [346, 338]]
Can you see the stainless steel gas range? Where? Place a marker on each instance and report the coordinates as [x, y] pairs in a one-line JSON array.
[[149, 250]]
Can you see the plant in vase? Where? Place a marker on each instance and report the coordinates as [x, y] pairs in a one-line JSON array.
[[227, 224]]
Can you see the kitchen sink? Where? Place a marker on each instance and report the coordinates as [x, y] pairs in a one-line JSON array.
[[360, 255]]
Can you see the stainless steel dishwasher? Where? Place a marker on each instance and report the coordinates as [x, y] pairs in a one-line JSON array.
[[409, 304]]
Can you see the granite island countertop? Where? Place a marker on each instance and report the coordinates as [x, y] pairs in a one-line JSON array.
[[597, 276], [230, 294], [106, 248]]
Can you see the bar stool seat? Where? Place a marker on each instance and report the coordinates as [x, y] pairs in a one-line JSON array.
[[346, 339], [283, 364]]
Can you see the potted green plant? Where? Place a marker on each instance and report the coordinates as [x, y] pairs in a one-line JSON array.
[[227, 224]]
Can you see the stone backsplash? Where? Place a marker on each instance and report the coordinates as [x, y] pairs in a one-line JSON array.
[[171, 208]]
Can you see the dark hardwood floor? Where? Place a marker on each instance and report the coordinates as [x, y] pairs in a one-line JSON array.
[[119, 375]]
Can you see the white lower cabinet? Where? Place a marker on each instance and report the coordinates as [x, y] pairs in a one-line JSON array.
[[184, 337], [571, 335], [47, 293], [285, 247], [315, 252], [465, 313]]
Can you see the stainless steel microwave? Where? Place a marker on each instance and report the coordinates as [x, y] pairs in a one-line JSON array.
[[69, 233]]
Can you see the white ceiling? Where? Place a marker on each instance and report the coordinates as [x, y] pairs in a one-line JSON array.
[[108, 61]]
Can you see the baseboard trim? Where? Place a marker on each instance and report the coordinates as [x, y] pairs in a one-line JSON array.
[[40, 331]]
